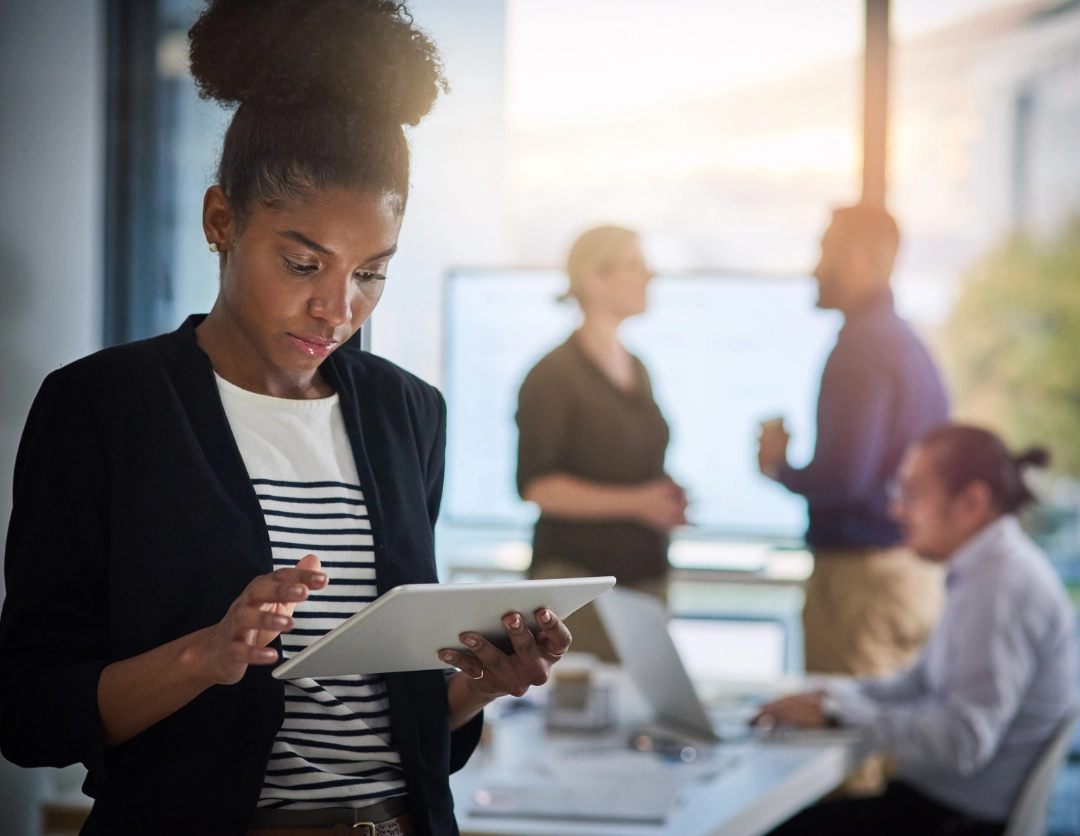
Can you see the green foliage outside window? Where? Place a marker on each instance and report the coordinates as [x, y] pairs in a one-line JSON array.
[[1012, 345]]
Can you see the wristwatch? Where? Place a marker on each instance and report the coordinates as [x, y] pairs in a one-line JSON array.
[[831, 708]]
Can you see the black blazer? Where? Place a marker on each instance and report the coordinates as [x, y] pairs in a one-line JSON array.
[[135, 523]]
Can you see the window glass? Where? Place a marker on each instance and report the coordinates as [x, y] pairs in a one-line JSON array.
[[723, 131]]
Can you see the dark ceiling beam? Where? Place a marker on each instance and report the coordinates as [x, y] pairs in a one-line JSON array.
[[875, 102]]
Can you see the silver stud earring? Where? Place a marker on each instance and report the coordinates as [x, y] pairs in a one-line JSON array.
[[213, 247]]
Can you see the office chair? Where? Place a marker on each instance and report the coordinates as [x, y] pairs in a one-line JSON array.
[[1032, 808]]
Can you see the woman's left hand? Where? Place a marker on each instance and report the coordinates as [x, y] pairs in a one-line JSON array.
[[493, 673]]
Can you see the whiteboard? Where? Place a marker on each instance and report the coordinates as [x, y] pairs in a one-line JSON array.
[[724, 352]]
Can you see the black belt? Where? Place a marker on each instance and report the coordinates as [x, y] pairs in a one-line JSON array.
[[266, 818]]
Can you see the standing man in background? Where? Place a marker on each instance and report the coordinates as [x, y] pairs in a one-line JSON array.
[[870, 603]]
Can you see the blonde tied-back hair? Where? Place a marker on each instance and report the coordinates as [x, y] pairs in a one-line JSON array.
[[593, 251]]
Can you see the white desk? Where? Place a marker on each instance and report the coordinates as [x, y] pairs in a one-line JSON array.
[[767, 786]]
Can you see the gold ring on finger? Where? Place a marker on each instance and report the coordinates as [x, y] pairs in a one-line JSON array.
[[478, 677]]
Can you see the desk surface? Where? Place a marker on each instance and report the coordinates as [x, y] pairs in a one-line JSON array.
[[770, 782]]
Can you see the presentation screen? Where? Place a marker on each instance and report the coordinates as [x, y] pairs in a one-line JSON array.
[[724, 353]]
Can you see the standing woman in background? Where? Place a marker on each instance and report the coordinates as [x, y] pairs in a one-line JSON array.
[[592, 440], [190, 509]]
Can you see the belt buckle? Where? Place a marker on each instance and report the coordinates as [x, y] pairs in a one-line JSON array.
[[370, 825]]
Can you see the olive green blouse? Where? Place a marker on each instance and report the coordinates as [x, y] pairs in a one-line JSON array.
[[573, 419]]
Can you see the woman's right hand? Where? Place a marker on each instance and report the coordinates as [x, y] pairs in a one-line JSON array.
[[661, 504], [135, 693], [264, 610]]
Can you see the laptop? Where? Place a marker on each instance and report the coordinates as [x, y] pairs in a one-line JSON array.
[[637, 626]]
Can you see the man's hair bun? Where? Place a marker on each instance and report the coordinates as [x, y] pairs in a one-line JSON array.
[[966, 454], [365, 56], [1038, 457]]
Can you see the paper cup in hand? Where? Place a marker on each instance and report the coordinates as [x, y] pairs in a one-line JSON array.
[[772, 427]]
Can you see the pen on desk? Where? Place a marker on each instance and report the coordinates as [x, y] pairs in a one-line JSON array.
[[664, 746]]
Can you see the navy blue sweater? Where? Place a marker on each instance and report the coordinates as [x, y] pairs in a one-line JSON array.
[[135, 523], [879, 392]]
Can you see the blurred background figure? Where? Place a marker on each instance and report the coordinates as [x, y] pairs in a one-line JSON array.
[[592, 440], [996, 681], [870, 602]]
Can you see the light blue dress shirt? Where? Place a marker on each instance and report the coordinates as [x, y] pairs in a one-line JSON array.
[[996, 678]]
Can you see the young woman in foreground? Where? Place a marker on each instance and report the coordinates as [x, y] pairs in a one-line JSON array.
[[190, 508]]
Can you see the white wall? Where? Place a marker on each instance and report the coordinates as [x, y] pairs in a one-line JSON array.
[[51, 171], [51, 166], [1041, 58]]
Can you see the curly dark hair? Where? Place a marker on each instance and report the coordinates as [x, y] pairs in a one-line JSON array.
[[323, 88]]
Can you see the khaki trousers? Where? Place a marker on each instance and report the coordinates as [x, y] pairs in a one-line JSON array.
[[867, 613], [585, 625]]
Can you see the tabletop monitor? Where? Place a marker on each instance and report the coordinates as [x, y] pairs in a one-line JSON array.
[[724, 352]]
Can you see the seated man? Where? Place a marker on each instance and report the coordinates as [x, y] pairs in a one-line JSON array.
[[969, 720]]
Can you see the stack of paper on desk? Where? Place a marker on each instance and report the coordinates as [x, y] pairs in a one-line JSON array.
[[610, 802], [600, 782]]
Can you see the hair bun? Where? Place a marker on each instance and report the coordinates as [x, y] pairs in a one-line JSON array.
[[361, 55], [1035, 457]]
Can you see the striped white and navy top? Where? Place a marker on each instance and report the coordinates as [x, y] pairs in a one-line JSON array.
[[334, 748]]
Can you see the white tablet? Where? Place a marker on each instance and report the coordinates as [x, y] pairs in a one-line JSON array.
[[405, 629]]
